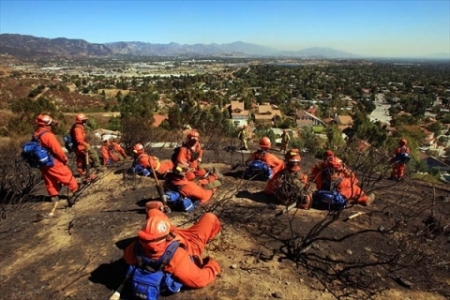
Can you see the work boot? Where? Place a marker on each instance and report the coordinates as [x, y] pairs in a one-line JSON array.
[[217, 172], [212, 185], [71, 198], [371, 198]]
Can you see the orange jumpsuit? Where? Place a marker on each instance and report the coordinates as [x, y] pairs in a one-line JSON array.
[[316, 174], [160, 167], [271, 160], [274, 183], [398, 169], [186, 157], [347, 187], [113, 151], [192, 243], [190, 189], [80, 152], [59, 172]]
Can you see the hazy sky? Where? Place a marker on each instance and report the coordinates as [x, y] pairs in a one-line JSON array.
[[375, 28]]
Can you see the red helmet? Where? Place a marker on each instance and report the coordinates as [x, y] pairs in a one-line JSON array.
[[328, 154], [293, 156], [265, 143], [180, 170], [44, 120], [80, 118], [138, 148], [335, 164], [402, 142], [156, 229], [193, 134]]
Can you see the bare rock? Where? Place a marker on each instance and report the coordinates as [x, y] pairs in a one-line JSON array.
[[233, 266], [278, 295]]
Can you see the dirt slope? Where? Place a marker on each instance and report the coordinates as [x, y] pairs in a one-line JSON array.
[[77, 254]]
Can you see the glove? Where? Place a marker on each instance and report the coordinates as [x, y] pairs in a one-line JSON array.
[[88, 147], [212, 264]]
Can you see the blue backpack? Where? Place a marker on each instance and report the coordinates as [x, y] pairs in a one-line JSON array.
[[35, 155], [69, 143], [177, 201], [149, 280], [330, 200], [403, 157], [258, 168], [140, 170]]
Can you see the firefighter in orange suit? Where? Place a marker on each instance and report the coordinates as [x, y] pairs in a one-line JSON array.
[[263, 155], [280, 184], [82, 149], [59, 173], [147, 161], [398, 160], [335, 178], [190, 156], [201, 191], [112, 152], [186, 264]]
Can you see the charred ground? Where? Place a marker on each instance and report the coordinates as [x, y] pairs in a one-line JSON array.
[[397, 249]]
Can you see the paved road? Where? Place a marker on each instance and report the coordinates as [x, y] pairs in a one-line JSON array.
[[381, 112]]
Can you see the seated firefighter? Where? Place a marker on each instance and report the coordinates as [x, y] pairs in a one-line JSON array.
[[144, 163], [290, 185], [317, 169], [189, 156], [169, 258], [177, 185], [262, 163], [111, 152], [338, 187], [400, 158]]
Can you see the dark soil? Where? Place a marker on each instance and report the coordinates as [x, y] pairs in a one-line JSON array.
[[398, 249]]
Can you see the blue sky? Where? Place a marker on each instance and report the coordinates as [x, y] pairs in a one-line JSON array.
[[373, 28]]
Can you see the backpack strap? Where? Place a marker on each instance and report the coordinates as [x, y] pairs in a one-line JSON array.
[[260, 154], [155, 265], [38, 137]]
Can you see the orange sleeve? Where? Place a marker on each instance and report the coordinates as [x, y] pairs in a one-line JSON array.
[[128, 254], [274, 162], [105, 154], [49, 141], [188, 273], [183, 156], [79, 136], [144, 160], [271, 185], [196, 192], [120, 150]]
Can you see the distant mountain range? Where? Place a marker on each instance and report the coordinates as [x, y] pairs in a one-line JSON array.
[[30, 47]]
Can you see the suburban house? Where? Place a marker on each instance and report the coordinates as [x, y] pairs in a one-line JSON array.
[[266, 112], [433, 162], [343, 121], [238, 114], [158, 119], [304, 119]]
